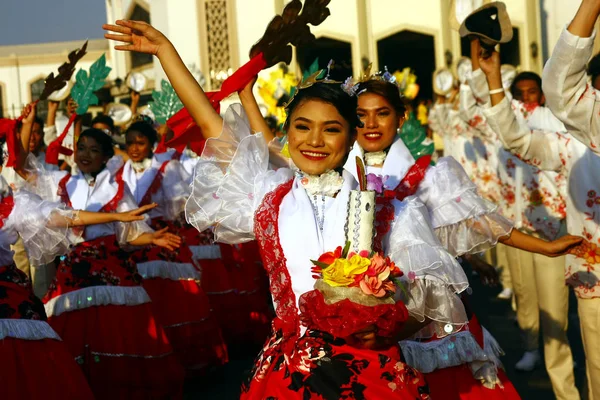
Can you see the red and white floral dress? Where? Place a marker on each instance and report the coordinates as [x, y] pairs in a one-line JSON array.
[[248, 200], [96, 302], [459, 358], [35, 362], [172, 278]]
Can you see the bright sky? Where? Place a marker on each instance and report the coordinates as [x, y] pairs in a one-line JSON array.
[[42, 21]]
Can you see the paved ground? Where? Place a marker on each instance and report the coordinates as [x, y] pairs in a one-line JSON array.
[[497, 316]]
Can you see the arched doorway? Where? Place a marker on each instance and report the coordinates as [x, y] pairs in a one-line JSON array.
[[325, 49], [410, 49]]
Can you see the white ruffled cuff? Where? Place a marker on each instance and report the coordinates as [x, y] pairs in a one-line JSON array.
[[479, 228], [44, 227]]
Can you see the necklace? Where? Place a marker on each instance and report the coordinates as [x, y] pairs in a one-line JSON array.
[[320, 217]]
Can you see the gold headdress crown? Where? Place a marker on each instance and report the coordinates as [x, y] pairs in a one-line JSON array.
[[405, 81], [312, 79]]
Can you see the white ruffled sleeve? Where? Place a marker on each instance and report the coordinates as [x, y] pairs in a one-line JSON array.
[[464, 222], [128, 231], [231, 179], [43, 225], [434, 277]]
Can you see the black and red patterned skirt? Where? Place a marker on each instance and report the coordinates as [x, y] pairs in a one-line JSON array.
[[172, 280], [320, 366], [35, 363], [97, 305]]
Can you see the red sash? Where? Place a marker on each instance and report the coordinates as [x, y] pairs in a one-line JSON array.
[[154, 186]]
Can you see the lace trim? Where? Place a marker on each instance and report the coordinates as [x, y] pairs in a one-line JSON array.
[[27, 329], [96, 296], [168, 270], [451, 351], [206, 252], [266, 229]]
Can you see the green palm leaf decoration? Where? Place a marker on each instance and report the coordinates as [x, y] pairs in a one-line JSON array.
[[314, 67], [415, 137], [86, 85], [165, 103]]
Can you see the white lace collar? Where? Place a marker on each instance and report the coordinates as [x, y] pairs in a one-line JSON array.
[[376, 158], [327, 184], [142, 166]]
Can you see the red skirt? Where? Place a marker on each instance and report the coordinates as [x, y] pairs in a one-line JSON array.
[[180, 304], [320, 366], [248, 278], [40, 369], [458, 383], [123, 352]]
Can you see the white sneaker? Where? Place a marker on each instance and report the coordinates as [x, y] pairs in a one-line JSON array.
[[505, 294], [529, 361]]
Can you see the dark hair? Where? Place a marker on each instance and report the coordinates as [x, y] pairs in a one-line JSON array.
[[144, 129], [387, 90], [525, 76], [105, 141], [593, 69], [106, 120], [329, 93]]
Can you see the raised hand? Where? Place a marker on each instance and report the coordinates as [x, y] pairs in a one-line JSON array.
[[28, 113], [490, 63], [163, 238], [135, 215], [138, 36]]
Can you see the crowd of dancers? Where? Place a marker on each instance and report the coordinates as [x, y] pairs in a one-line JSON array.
[[126, 270]]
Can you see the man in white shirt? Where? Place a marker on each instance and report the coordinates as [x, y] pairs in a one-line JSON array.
[[541, 139]]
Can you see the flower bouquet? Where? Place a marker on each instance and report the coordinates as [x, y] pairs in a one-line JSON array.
[[355, 287]]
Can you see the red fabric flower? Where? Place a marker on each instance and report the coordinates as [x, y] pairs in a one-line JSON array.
[[344, 318]]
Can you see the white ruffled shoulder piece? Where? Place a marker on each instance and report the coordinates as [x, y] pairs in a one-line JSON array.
[[231, 179], [457, 349], [43, 225], [464, 222], [435, 278]]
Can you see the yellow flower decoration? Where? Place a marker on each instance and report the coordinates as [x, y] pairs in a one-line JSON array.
[[356, 265], [335, 275]]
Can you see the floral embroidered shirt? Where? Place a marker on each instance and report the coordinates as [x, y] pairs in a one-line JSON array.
[[560, 152]]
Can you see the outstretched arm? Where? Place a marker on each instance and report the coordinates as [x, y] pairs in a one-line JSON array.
[[142, 37], [585, 19], [85, 218], [160, 238], [565, 245]]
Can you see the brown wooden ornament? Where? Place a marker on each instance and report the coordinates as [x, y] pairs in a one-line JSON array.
[[291, 27], [65, 72]]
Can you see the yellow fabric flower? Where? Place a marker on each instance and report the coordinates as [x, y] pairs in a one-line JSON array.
[[356, 265], [335, 275]]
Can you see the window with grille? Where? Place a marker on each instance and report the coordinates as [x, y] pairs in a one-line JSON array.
[[36, 89]]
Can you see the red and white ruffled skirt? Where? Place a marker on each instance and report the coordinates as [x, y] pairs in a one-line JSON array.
[[172, 280], [105, 318]]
